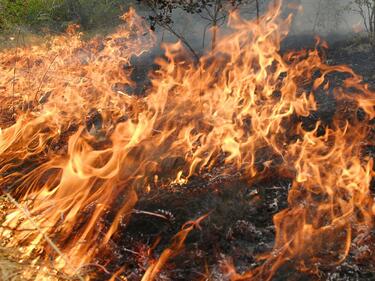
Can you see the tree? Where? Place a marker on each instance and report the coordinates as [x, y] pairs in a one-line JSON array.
[[328, 16], [214, 12], [366, 9]]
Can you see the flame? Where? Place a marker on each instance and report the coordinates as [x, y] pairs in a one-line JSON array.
[[75, 143], [177, 244]]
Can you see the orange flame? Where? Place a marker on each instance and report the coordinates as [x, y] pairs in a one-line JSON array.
[[177, 244], [75, 143]]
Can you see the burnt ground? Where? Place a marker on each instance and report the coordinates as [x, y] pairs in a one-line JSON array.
[[239, 225], [357, 54], [239, 228]]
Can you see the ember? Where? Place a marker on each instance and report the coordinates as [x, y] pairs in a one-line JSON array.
[[102, 184]]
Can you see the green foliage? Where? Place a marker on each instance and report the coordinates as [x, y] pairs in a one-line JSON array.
[[89, 13], [20, 12], [56, 14]]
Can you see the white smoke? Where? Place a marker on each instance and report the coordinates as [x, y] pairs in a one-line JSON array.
[[324, 17]]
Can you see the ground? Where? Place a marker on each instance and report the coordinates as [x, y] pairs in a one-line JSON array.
[[239, 226]]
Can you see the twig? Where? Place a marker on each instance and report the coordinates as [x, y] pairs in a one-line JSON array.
[[44, 76], [97, 265], [149, 213], [14, 69]]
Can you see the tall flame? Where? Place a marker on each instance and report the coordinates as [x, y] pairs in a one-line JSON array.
[[76, 145]]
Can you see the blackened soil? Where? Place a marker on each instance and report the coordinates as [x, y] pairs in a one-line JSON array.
[[357, 54], [238, 229], [239, 226]]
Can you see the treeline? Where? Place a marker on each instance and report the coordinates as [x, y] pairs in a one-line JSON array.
[[55, 15]]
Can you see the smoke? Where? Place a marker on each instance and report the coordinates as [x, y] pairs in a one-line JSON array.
[[331, 19], [324, 17]]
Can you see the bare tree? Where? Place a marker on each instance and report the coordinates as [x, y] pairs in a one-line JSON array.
[[366, 9], [328, 15], [214, 12]]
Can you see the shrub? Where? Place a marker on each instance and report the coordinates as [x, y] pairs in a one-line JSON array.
[[20, 12], [55, 14]]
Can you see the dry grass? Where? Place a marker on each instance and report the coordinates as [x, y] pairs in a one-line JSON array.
[[12, 268]]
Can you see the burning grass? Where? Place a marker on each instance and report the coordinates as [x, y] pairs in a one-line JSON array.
[[84, 157], [10, 269]]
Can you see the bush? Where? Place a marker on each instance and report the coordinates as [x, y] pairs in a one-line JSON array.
[[89, 13], [20, 12], [56, 14]]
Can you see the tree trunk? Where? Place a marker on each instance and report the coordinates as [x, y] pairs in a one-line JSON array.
[[214, 35], [215, 23], [317, 15]]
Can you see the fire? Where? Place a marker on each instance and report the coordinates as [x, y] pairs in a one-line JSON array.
[[75, 144]]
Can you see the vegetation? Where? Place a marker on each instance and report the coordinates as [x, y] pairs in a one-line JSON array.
[[213, 13], [329, 15], [56, 14], [366, 9]]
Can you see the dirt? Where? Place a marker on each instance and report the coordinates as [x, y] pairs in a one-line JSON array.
[[238, 229], [239, 226]]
